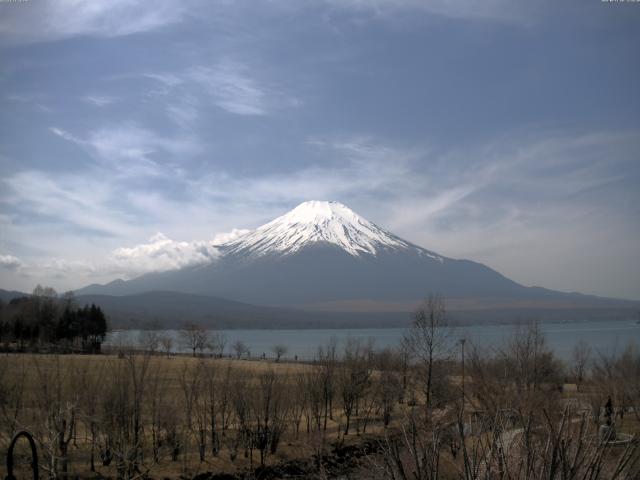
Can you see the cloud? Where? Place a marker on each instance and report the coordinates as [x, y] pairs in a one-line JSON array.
[[161, 253], [361, 167], [165, 82], [82, 201], [158, 254], [66, 135], [487, 10], [225, 237], [508, 179], [45, 21], [132, 149], [183, 112], [10, 262], [37, 101], [231, 87], [472, 182], [99, 100]]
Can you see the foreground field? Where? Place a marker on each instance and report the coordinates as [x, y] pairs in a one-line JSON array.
[[92, 404], [355, 413], [81, 386]]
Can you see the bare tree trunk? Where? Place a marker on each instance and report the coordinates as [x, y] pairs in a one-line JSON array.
[[92, 465]]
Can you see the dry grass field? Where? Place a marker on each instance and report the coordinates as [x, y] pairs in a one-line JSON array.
[[83, 382], [350, 414]]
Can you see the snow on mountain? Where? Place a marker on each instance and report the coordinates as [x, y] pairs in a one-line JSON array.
[[322, 255], [319, 222]]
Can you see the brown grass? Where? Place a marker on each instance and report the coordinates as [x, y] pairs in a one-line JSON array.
[[31, 367]]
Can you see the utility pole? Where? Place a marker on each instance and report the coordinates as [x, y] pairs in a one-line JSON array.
[[462, 342]]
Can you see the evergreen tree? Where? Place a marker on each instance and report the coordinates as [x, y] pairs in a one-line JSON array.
[[45, 318]]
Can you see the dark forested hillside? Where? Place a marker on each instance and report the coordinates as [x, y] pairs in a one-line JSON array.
[[45, 320]]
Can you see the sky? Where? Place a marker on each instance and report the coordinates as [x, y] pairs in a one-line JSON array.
[[137, 135]]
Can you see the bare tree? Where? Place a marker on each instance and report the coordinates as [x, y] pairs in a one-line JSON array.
[[58, 414], [138, 367], [616, 375], [156, 405], [201, 409], [240, 435], [579, 361], [559, 447], [89, 381], [122, 414], [225, 397], [239, 348], [354, 378], [298, 403], [327, 360], [270, 409], [315, 400], [530, 360], [212, 399], [149, 340], [190, 379], [170, 426], [167, 343], [387, 384], [521, 377], [279, 350], [217, 344], [12, 388], [415, 452], [194, 337], [628, 367], [427, 339]]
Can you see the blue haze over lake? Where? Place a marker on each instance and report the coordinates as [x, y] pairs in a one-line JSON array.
[[602, 336]]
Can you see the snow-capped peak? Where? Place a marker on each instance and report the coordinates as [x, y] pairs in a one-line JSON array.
[[315, 222]]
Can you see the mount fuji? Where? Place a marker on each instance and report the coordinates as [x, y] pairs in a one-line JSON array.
[[323, 256], [315, 222]]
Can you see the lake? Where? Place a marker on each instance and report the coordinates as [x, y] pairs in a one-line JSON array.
[[603, 336]]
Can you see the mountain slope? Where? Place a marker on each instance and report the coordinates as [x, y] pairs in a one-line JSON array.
[[161, 309], [322, 253], [8, 295]]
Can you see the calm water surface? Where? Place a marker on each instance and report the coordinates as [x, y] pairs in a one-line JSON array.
[[603, 336]]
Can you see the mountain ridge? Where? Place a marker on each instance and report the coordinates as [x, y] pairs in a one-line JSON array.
[[323, 253]]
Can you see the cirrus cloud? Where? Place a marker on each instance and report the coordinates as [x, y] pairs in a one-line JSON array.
[[133, 150], [45, 21]]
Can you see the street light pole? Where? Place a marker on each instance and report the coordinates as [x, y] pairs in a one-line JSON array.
[[462, 342]]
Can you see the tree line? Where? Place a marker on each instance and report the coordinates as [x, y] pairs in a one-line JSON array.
[[46, 321]]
